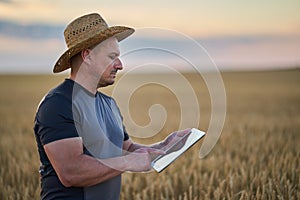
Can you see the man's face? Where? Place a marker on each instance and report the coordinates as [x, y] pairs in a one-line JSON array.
[[105, 61]]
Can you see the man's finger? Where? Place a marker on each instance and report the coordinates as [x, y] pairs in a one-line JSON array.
[[156, 151], [183, 132], [150, 150]]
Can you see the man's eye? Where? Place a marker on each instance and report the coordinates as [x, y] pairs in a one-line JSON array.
[[112, 57]]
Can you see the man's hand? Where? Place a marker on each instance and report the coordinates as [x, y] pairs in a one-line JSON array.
[[139, 156], [173, 138], [140, 159]]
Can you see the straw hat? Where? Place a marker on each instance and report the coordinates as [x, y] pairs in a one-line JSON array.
[[87, 31]]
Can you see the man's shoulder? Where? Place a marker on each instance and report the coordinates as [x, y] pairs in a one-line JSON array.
[[58, 97], [62, 91]]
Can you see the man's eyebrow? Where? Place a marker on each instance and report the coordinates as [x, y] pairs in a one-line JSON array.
[[115, 53]]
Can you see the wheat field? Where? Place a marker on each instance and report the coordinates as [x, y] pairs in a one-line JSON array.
[[256, 157]]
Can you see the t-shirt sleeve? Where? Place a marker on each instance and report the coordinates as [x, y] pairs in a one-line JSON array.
[[54, 119], [126, 136]]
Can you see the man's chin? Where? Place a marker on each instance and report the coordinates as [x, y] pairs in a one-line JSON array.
[[104, 84]]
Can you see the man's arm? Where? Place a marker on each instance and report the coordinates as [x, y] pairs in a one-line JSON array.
[[77, 169], [130, 146]]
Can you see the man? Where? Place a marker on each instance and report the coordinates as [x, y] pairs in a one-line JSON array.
[[82, 143]]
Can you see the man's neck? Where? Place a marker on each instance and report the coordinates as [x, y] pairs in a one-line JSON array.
[[85, 81]]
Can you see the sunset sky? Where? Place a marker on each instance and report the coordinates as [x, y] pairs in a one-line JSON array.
[[255, 34]]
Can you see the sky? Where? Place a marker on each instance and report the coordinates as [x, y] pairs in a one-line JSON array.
[[235, 35]]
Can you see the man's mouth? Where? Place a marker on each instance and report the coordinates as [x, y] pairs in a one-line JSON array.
[[114, 72]]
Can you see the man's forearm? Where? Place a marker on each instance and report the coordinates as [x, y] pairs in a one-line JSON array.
[[88, 171]]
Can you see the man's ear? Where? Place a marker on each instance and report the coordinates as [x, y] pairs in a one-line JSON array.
[[85, 55]]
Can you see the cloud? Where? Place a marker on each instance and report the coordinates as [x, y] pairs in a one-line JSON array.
[[29, 48], [35, 47], [23, 55], [34, 31], [254, 52], [6, 1]]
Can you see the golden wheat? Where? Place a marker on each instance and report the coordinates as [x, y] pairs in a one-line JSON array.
[[256, 157]]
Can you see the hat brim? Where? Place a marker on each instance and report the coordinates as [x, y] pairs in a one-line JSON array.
[[120, 32]]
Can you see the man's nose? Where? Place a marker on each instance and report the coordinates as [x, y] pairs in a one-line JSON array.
[[118, 64]]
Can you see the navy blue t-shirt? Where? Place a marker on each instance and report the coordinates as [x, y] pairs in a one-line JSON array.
[[69, 111]]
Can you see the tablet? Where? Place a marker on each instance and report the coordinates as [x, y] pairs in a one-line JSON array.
[[177, 149]]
